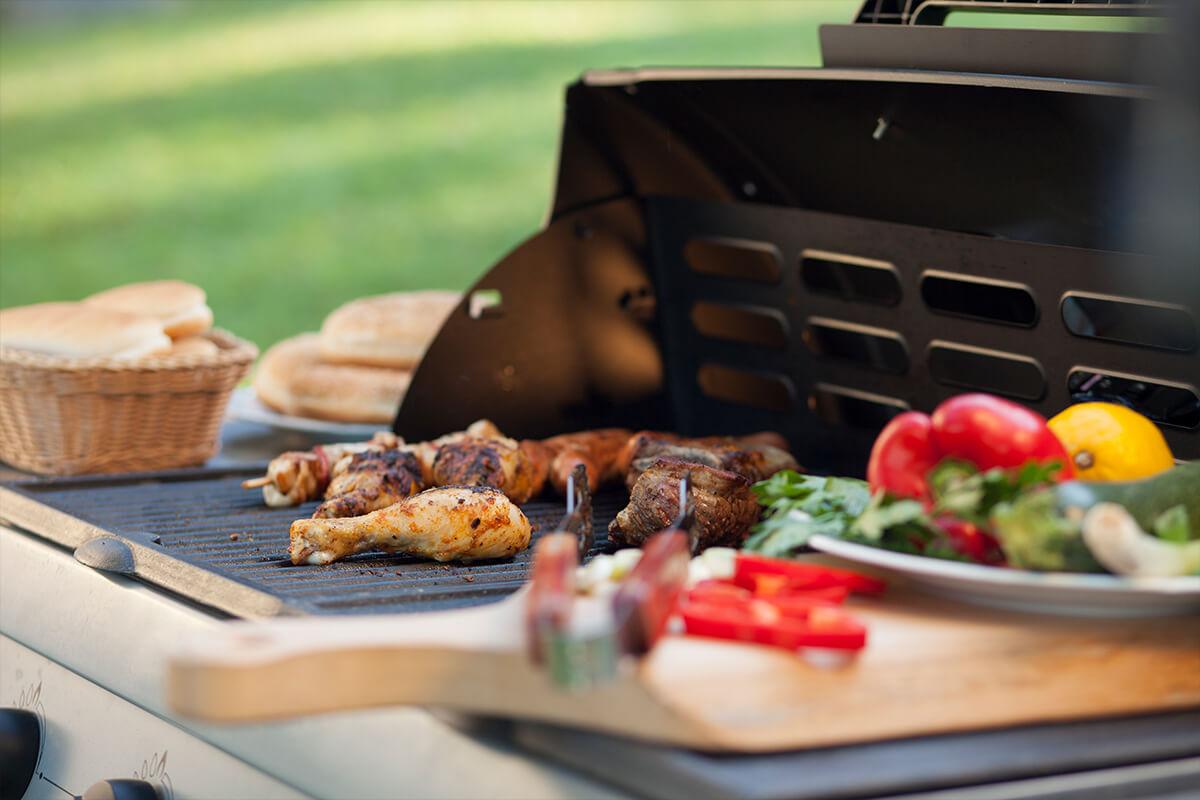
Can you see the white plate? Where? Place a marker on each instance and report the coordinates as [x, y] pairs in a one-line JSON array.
[[1023, 590], [244, 405]]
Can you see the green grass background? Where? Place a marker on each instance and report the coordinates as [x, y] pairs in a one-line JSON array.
[[290, 156]]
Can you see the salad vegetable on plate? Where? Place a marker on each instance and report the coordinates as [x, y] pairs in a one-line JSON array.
[[983, 500]]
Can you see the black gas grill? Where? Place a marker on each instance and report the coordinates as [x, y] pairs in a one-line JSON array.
[[810, 251], [804, 250], [205, 524]]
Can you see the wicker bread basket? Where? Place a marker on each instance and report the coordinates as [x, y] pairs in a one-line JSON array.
[[66, 416]]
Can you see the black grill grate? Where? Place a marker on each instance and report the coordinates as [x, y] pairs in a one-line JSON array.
[[208, 521]]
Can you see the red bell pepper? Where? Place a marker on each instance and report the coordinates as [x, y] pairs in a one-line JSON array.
[[779, 603], [822, 627], [991, 432], [774, 575], [903, 454], [971, 540], [985, 430]]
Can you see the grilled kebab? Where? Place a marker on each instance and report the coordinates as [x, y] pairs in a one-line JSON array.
[[725, 508], [369, 480], [598, 451], [444, 524], [359, 477], [722, 468], [750, 457], [297, 476]]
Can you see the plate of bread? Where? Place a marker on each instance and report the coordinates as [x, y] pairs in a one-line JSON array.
[[350, 377]]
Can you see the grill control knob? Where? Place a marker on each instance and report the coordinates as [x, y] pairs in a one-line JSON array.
[[20, 743], [120, 789]]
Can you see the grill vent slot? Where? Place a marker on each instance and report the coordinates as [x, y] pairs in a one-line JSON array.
[[1167, 403], [746, 324], [760, 390], [837, 405], [850, 277], [739, 259], [988, 370], [979, 298], [874, 348], [1118, 319]]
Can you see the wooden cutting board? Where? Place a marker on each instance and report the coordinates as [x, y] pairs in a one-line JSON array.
[[930, 666]]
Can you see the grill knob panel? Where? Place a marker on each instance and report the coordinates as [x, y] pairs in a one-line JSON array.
[[120, 789], [20, 746]]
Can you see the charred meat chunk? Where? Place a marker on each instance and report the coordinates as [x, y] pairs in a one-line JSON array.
[[370, 480], [725, 508]]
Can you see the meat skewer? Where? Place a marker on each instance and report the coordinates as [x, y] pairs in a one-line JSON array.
[[296, 477], [639, 441], [749, 458], [444, 524], [370, 480], [355, 478], [498, 462], [596, 450], [724, 506]]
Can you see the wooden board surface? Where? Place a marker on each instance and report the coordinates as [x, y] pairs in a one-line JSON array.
[[930, 667]]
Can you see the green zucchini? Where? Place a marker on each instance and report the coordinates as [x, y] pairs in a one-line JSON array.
[[1145, 500], [1041, 530]]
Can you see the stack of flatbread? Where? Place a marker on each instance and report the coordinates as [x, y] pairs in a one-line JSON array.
[[139, 320], [358, 367]]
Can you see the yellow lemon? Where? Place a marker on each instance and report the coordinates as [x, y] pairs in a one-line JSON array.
[[1108, 442]]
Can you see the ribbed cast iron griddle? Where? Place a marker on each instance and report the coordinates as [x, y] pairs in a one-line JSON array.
[[206, 520]]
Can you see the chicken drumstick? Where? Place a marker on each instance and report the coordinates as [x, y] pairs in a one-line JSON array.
[[444, 524]]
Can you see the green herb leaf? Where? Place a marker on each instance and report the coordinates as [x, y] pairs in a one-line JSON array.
[[884, 513]]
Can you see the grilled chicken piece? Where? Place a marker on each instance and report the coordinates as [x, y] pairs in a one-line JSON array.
[[539, 456], [296, 477], [445, 524], [754, 462], [370, 480], [725, 508], [596, 450], [498, 462]]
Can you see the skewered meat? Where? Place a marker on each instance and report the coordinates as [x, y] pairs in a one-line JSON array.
[[498, 462], [637, 442], [445, 524], [596, 450], [296, 477], [370, 480], [750, 459], [725, 508]]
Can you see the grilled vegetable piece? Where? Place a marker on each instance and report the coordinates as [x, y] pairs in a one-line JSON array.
[[370, 480], [1118, 543], [444, 524], [725, 506]]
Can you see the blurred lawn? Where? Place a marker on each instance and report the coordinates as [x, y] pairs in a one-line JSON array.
[[290, 156]]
